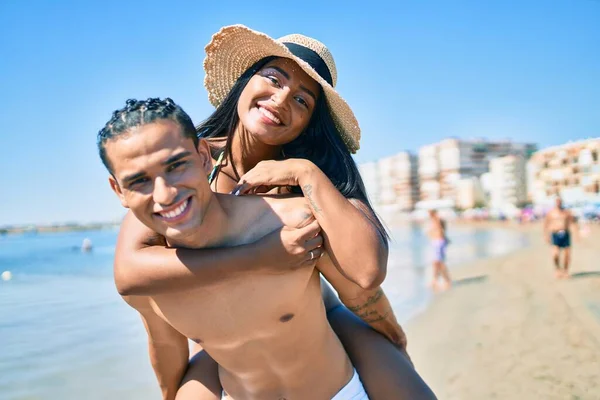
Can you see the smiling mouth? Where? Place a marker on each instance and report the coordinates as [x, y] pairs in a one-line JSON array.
[[176, 213], [269, 115]]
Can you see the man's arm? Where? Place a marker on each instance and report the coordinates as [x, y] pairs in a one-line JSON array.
[[145, 266], [443, 228], [572, 227], [168, 349]]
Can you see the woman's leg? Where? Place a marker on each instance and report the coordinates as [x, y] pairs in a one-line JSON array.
[[386, 373], [201, 379]]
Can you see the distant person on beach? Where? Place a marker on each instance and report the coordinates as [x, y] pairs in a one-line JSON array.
[[558, 225], [439, 242], [237, 135]]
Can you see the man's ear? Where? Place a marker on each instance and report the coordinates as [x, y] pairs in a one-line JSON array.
[[205, 155], [114, 185]]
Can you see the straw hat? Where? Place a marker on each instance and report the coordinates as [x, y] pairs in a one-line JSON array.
[[236, 48]]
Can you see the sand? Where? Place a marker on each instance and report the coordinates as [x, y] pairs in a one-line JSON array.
[[508, 329]]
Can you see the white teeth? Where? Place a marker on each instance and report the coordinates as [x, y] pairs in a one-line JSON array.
[[176, 212], [269, 115]]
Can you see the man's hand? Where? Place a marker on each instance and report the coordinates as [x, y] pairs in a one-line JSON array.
[[292, 248]]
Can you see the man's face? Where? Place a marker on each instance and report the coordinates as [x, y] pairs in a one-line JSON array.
[[161, 176], [558, 203]]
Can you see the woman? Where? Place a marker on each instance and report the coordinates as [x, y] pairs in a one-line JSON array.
[[279, 123]]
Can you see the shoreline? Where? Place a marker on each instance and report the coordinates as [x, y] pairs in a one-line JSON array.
[[34, 230], [508, 329]]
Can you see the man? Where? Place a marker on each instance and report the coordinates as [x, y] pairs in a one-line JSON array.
[[437, 235], [269, 334], [557, 231]]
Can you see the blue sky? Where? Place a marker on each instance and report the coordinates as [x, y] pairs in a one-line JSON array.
[[413, 71]]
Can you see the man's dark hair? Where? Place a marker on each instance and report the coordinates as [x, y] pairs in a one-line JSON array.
[[141, 112], [320, 142]]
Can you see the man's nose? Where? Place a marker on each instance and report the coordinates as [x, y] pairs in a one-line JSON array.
[[164, 193]]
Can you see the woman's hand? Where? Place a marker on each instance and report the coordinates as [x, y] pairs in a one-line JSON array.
[[288, 249], [269, 174]]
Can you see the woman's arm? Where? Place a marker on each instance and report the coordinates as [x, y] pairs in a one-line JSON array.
[[358, 250], [355, 245], [370, 305], [145, 266]]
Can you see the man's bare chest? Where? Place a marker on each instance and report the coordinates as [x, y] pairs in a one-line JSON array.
[[249, 304]]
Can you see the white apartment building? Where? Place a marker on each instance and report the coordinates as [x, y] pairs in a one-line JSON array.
[[571, 170], [508, 182], [370, 175], [429, 173], [398, 181], [469, 193], [442, 165]]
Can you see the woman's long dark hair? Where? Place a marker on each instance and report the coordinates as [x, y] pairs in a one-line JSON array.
[[320, 142]]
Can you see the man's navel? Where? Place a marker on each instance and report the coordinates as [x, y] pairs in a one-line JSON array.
[[286, 317]]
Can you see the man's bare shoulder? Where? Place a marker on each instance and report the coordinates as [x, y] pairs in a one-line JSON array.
[[140, 303], [292, 209]]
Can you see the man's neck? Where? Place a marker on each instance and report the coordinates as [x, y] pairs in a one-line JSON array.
[[214, 227]]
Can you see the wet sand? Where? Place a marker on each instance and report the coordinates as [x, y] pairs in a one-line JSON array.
[[509, 330]]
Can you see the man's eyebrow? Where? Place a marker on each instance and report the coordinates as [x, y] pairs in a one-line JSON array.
[[168, 161], [176, 157], [133, 177]]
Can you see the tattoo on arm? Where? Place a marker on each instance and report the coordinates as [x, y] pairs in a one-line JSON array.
[[307, 190], [370, 301], [371, 315]]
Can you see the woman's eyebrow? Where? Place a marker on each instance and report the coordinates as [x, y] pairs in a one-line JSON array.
[[281, 71], [287, 76], [310, 93]]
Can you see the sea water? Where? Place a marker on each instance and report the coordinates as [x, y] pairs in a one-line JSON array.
[[66, 334]]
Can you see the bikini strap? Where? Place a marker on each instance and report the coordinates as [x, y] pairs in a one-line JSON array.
[[213, 173]]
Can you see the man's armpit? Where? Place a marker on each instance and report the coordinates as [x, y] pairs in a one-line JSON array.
[[305, 216], [154, 239], [301, 214]]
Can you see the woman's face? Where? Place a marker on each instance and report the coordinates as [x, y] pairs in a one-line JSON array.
[[277, 103]]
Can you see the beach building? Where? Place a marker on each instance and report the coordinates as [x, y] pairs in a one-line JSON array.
[[508, 182], [469, 193], [571, 170], [442, 165], [429, 173], [398, 181], [370, 175]]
